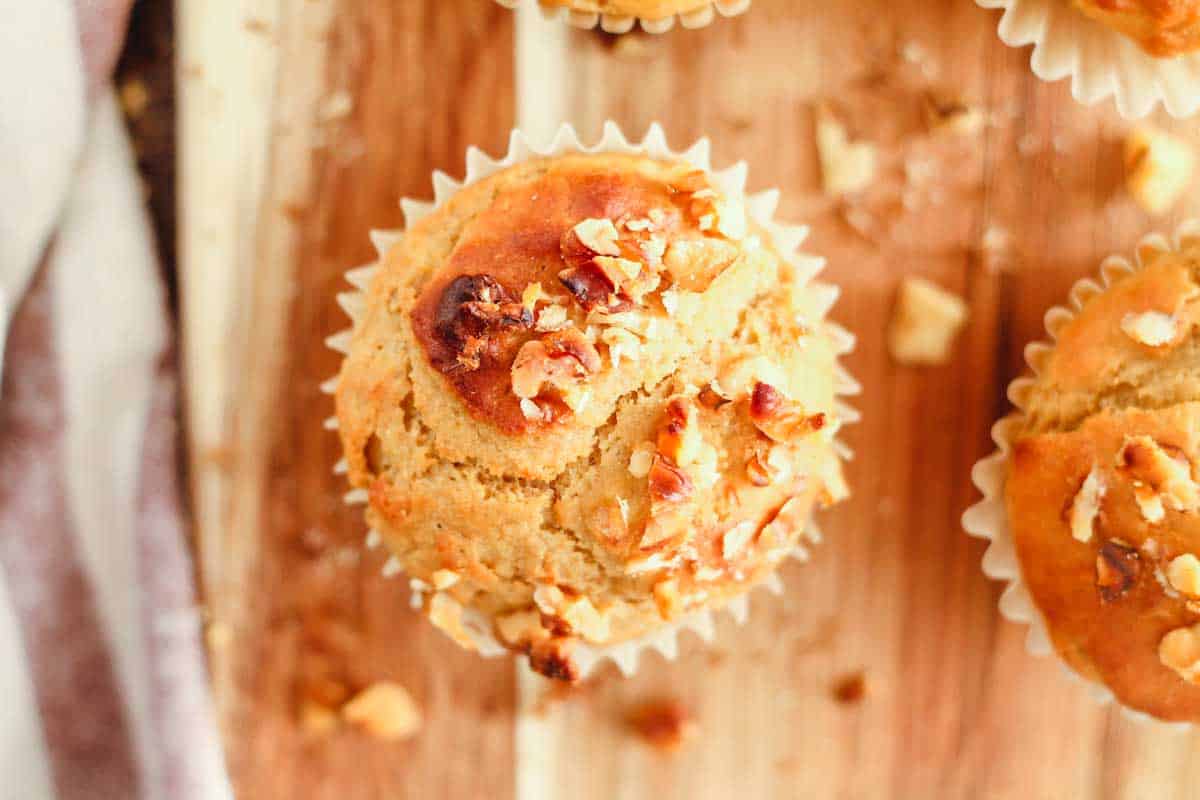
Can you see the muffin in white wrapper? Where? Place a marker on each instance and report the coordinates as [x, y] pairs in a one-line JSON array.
[[693, 14], [478, 630], [1098, 508], [1099, 62]]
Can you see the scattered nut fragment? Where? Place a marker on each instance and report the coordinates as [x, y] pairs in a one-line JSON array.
[[1180, 650], [1117, 568], [552, 658], [521, 628], [385, 710], [1183, 573], [925, 322], [446, 613], [1169, 475], [667, 598], [1086, 506], [663, 724], [560, 360], [586, 620], [736, 539], [641, 460], [846, 166], [954, 116], [599, 235], [668, 484], [444, 579], [1149, 503], [1158, 167], [779, 418], [851, 689], [1151, 328], [679, 438]]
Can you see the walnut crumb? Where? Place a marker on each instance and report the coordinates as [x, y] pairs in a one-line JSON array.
[[851, 689], [1180, 651], [665, 725], [1158, 167], [846, 167], [599, 235], [1151, 328], [1169, 475], [1183, 573], [385, 710], [1117, 568], [925, 322], [1086, 506]]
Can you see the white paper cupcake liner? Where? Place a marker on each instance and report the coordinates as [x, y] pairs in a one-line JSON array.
[[760, 207], [988, 519], [624, 23], [1099, 61]]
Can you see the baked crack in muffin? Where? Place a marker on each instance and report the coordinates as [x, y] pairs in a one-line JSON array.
[[1102, 494], [585, 398], [1163, 28]]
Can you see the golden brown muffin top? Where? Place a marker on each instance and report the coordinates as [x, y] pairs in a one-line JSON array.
[[1163, 28], [1102, 491]]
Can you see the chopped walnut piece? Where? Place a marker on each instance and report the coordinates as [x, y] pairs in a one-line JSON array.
[[589, 286], [446, 613], [444, 579], [520, 628], [551, 318], [846, 167], [560, 360], [851, 689], [667, 598], [385, 710], [1180, 650], [475, 315], [694, 264], [954, 116], [1170, 476], [552, 658], [586, 620], [1183, 573], [663, 724], [1117, 568], [781, 419], [709, 398], [1149, 503], [1086, 506], [736, 539], [668, 483], [599, 235], [1151, 328], [1158, 168], [641, 460], [758, 472], [679, 438], [925, 322], [532, 411]]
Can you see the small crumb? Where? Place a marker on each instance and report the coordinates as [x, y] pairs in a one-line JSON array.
[[925, 322], [846, 167], [945, 114], [385, 710], [1085, 507], [336, 106], [135, 97], [851, 689], [665, 725], [1158, 168]]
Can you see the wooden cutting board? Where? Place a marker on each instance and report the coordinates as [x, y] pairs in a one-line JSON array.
[[304, 121]]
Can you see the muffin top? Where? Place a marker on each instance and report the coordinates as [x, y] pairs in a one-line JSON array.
[[1102, 494], [1163, 28], [585, 396], [644, 9]]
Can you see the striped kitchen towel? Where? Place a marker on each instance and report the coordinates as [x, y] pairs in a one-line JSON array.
[[105, 695]]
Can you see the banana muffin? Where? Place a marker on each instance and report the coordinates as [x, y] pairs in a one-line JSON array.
[[656, 15], [587, 397], [1102, 495], [1163, 28]]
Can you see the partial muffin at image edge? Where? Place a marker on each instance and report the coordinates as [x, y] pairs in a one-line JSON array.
[[620, 16], [585, 398], [1163, 28], [1100, 491]]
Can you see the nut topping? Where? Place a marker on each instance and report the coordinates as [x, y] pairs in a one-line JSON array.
[[668, 483], [474, 315], [1151, 328], [1117, 568], [1168, 474], [598, 235], [561, 360], [780, 419], [1183, 573], [1086, 506], [552, 658], [736, 539], [679, 439], [1180, 650]]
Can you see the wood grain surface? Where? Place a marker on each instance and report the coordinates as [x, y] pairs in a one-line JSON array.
[[303, 121]]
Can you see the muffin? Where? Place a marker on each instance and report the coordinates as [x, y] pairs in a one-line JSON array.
[[1163, 28], [587, 397], [619, 16], [1100, 491]]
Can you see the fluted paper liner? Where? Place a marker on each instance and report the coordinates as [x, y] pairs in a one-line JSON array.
[[623, 23], [760, 207], [988, 519], [1099, 61]]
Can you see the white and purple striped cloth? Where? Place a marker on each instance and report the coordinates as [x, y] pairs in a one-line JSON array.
[[103, 689]]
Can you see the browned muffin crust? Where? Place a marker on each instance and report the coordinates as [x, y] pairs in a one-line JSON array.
[[1163, 28]]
